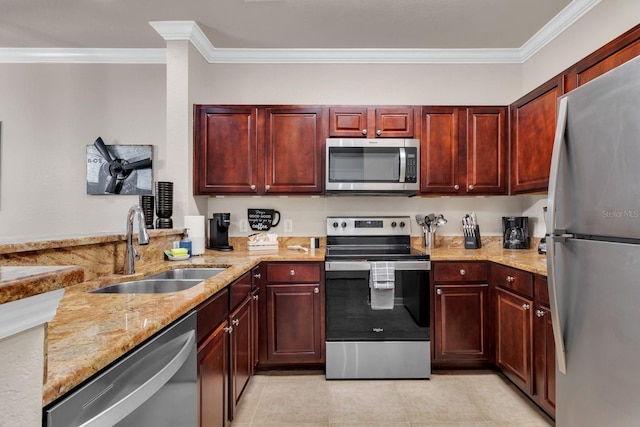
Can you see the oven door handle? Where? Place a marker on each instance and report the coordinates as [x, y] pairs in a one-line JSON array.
[[366, 266]]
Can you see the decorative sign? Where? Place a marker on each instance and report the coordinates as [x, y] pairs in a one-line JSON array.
[[263, 219]]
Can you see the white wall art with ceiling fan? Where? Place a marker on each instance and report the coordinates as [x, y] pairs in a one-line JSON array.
[[119, 169]]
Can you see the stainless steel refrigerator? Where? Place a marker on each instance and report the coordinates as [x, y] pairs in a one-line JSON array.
[[593, 251]]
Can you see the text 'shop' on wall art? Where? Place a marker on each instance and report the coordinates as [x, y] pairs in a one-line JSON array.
[[119, 169]]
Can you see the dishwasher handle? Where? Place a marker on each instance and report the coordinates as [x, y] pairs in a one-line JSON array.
[[129, 403]]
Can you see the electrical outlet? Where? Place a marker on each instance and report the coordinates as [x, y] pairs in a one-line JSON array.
[[288, 225], [243, 225]]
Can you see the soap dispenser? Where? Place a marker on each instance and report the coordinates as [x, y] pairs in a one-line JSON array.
[[185, 242]]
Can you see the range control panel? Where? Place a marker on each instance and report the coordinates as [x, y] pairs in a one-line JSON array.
[[369, 226]]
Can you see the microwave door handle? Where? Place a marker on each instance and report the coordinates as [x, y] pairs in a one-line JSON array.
[[403, 164]]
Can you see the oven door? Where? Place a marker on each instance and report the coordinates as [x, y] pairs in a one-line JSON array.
[[349, 316]]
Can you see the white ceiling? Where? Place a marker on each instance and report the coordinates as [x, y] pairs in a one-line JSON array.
[[286, 24]]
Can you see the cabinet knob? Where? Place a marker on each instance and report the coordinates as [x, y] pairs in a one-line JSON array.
[[471, 187], [525, 307], [228, 329], [267, 187], [439, 291], [235, 322], [456, 187], [364, 131], [462, 272], [292, 272], [378, 132], [257, 275], [255, 297], [510, 279], [316, 290], [540, 313], [253, 186]]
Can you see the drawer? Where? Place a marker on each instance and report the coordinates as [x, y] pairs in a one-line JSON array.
[[460, 272], [290, 272], [511, 278], [212, 312], [240, 290], [541, 290]]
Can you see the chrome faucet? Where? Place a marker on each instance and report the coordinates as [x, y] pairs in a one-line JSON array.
[[131, 255]]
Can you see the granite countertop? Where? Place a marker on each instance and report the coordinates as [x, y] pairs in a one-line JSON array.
[[90, 331], [27, 281]]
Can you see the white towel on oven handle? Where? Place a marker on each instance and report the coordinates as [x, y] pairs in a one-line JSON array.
[[382, 275]]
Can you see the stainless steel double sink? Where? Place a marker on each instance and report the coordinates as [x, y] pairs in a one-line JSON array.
[[170, 281]]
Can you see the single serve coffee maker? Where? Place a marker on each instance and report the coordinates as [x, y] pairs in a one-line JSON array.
[[219, 232], [515, 232]]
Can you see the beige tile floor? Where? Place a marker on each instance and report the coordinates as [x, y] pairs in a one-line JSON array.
[[478, 399]]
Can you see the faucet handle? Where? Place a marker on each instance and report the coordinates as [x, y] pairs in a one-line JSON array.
[[136, 254]]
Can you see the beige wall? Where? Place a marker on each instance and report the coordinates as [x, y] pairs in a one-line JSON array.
[[49, 114]]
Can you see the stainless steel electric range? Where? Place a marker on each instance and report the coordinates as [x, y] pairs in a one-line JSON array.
[[377, 300]]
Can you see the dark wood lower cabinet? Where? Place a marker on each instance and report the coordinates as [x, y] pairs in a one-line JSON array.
[[294, 324], [514, 318], [544, 361], [241, 353], [213, 378], [461, 332]]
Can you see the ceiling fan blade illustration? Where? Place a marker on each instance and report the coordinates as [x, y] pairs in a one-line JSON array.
[[140, 164], [102, 149]]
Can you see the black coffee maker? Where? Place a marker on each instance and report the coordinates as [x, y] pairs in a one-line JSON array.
[[219, 232], [515, 232]]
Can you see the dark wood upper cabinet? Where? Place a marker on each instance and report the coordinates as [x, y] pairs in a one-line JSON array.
[[463, 150], [486, 150], [294, 150], [533, 126], [259, 150], [371, 122], [226, 156]]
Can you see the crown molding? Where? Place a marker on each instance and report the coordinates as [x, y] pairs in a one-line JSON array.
[[190, 31], [83, 56]]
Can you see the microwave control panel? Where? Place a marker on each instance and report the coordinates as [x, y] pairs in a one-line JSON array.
[[411, 174]]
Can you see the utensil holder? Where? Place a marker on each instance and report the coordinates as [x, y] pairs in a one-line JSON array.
[[474, 241]]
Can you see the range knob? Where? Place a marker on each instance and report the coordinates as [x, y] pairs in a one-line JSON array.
[[344, 224], [335, 225], [394, 224], [402, 224]]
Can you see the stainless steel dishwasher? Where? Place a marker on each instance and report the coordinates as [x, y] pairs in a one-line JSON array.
[[154, 385]]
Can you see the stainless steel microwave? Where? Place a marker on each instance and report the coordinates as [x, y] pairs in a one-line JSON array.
[[358, 166]]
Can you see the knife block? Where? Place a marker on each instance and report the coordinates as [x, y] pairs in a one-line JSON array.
[[473, 242]]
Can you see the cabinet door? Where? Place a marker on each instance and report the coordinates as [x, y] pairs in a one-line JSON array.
[[461, 331], [348, 122], [514, 318], [241, 353], [295, 323], [486, 149], [294, 150], [533, 126], [393, 122], [255, 341], [544, 360], [439, 163], [213, 375], [225, 150]]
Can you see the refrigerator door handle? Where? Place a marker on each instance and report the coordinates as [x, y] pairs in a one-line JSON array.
[[558, 146], [556, 157]]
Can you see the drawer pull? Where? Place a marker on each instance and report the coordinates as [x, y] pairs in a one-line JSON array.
[[439, 291], [462, 272], [540, 313], [510, 279], [292, 272], [235, 322], [228, 329], [257, 275], [316, 290], [525, 307], [255, 297]]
